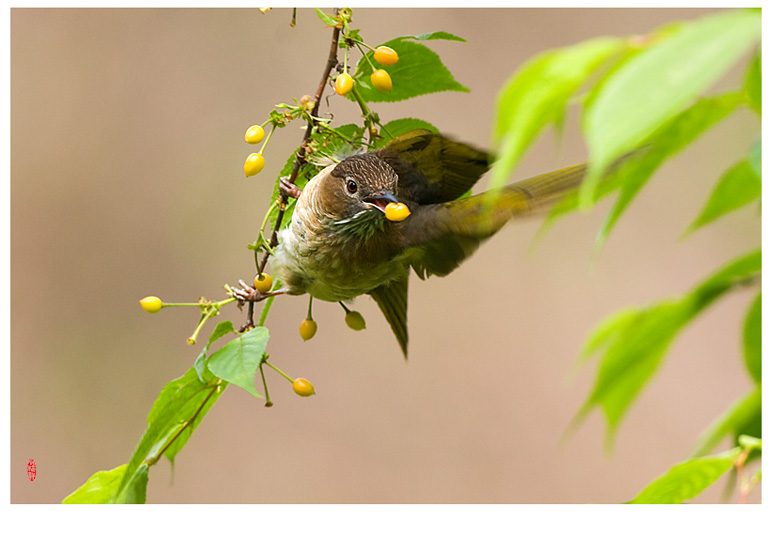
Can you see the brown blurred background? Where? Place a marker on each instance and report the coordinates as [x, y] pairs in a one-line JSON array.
[[127, 153]]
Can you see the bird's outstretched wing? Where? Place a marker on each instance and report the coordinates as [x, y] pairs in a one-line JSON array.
[[433, 169], [441, 236]]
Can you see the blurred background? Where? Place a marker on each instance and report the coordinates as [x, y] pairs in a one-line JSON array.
[[127, 152]]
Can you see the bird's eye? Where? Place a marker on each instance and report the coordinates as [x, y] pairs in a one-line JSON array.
[[351, 186]]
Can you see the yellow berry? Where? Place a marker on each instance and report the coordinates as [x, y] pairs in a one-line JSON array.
[[307, 329], [381, 80], [386, 56], [151, 304], [254, 135], [254, 164], [263, 283], [303, 388], [397, 212], [343, 84], [355, 320]]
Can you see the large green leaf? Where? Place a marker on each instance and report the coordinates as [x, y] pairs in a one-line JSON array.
[[238, 360], [736, 420], [536, 95], [752, 340], [98, 489], [753, 83], [632, 343], [688, 479], [175, 406], [739, 186], [635, 170], [655, 85], [419, 71]]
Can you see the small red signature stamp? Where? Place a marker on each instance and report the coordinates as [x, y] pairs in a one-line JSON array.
[[32, 470]]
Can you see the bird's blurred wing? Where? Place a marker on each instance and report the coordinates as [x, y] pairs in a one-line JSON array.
[[392, 300], [439, 237], [431, 168]]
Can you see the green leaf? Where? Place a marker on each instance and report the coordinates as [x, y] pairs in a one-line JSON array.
[[536, 96], [733, 421], [738, 187], [137, 493], [688, 479], [605, 333], [419, 71], [667, 142], [98, 489], [401, 126], [637, 347], [634, 171], [238, 360], [222, 328], [753, 83], [329, 20], [655, 85], [184, 396], [632, 343], [177, 403], [752, 340], [436, 35]]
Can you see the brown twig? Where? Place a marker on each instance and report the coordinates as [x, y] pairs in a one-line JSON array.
[[300, 157]]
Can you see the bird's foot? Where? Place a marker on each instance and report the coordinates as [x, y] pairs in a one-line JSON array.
[[248, 294], [289, 189]]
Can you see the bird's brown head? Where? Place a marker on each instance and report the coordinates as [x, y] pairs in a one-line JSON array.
[[356, 192]]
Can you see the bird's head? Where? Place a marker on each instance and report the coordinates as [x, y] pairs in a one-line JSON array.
[[356, 191]]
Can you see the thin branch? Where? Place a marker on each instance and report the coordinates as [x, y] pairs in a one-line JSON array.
[[300, 157]]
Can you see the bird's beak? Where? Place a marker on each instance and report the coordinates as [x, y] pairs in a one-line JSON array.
[[381, 199]]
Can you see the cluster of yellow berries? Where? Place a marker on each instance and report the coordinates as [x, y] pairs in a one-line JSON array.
[[354, 320], [380, 79], [255, 162]]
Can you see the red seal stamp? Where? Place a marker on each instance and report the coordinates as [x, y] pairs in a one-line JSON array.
[[32, 470]]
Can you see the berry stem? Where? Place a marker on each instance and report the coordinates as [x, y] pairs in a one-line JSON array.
[[364, 55], [267, 138], [288, 378], [268, 402]]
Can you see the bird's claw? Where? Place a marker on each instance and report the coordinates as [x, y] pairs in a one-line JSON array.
[[246, 293], [289, 189]]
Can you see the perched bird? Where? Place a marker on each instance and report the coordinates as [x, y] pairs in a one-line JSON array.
[[340, 244]]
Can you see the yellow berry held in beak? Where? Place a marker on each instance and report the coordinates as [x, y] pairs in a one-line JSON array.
[[151, 305], [307, 329], [385, 56], [303, 388], [263, 283], [381, 80], [254, 164], [397, 212], [254, 135]]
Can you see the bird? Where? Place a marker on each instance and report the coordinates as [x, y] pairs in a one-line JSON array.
[[340, 244]]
